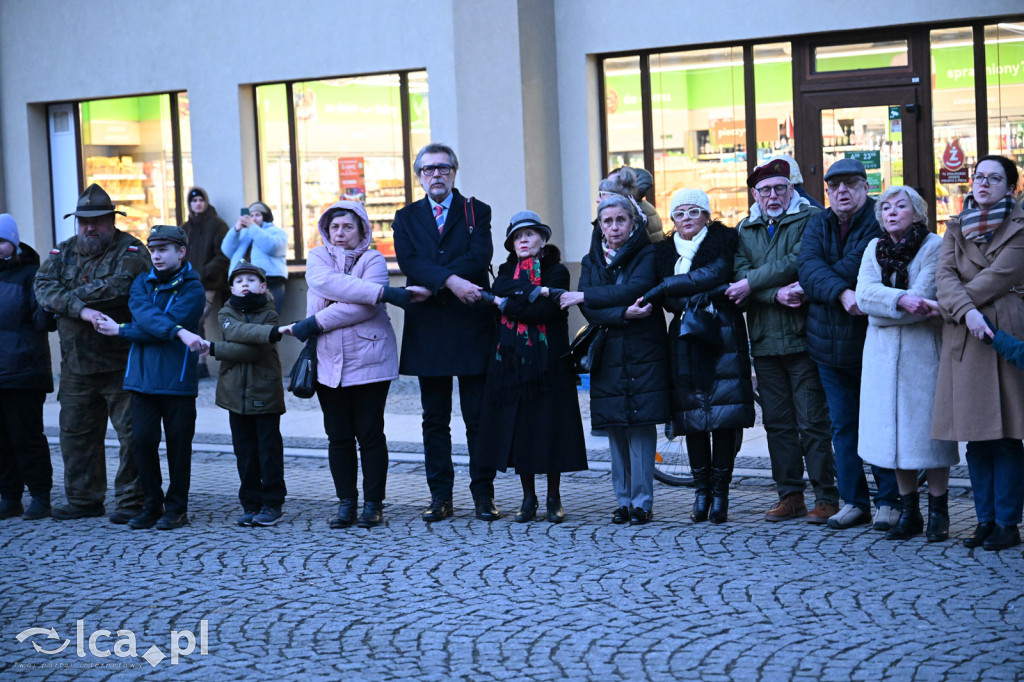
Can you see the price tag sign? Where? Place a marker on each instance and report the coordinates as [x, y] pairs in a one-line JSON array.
[[870, 159]]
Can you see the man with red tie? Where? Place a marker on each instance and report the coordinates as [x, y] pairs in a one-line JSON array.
[[443, 242]]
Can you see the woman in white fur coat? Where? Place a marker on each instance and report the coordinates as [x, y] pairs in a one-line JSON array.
[[896, 289]]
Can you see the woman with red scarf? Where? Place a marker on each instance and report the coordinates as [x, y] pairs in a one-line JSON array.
[[531, 417]]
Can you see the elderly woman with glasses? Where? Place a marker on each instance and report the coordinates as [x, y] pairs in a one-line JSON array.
[[629, 389], [979, 396], [712, 394], [896, 290]]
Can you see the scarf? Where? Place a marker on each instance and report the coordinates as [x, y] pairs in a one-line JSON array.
[[521, 356], [248, 303], [978, 224], [165, 276], [894, 257], [687, 250]]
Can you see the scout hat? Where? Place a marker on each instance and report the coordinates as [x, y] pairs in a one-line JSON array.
[[93, 203], [167, 234], [522, 220], [776, 168], [247, 267]]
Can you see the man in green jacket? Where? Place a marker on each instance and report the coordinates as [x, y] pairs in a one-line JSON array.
[[793, 404]]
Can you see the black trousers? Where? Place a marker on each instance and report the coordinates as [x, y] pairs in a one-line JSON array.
[[436, 399], [351, 414], [259, 453], [24, 452], [178, 414]]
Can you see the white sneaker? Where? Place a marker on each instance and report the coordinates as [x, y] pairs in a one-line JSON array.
[[848, 517], [886, 517]]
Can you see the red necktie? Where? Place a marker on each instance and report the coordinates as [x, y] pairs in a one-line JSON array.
[[438, 217]]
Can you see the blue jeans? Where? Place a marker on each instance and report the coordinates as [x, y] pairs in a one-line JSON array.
[[842, 392], [997, 477]]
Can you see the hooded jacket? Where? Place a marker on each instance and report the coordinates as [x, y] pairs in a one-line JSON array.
[[629, 385], [269, 247], [158, 362], [358, 344], [206, 233], [25, 362], [249, 381]]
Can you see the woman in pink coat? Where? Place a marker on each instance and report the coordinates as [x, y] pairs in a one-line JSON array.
[[357, 356]]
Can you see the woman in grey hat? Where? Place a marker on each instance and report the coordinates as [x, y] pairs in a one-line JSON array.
[[531, 417]]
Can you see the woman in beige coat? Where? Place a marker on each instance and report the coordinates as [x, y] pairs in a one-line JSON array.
[[979, 396], [896, 289]]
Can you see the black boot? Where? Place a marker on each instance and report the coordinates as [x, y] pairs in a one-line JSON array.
[[938, 517], [720, 494], [702, 479], [346, 513], [910, 522], [528, 510], [555, 512]]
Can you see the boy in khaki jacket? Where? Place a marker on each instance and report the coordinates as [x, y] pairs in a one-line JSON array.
[[249, 387]]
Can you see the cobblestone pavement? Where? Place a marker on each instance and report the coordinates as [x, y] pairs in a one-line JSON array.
[[465, 599]]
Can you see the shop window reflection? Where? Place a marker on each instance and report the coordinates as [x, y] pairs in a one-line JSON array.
[[773, 93], [1004, 65], [275, 157], [623, 112]]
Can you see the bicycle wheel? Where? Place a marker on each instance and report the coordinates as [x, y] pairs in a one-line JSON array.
[[671, 464]]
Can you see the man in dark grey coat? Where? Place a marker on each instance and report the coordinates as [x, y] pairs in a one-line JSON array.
[[443, 242]]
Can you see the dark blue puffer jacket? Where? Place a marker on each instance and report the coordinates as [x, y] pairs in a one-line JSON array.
[[827, 267], [25, 359], [158, 361]]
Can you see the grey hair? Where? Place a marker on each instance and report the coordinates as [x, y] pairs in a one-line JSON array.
[[435, 148], [619, 201], [916, 201]]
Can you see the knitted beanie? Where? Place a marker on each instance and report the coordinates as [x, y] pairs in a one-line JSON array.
[[695, 197], [9, 229]]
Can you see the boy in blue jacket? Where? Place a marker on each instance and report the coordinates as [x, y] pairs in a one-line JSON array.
[[166, 305]]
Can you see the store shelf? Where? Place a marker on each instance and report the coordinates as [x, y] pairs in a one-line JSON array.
[[128, 197], [116, 176]]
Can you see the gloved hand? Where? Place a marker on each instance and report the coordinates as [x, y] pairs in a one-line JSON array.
[[555, 293], [487, 297], [398, 296], [991, 326], [306, 329], [655, 294]]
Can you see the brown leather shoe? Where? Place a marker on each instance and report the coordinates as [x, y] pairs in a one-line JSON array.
[[789, 507], [821, 512]]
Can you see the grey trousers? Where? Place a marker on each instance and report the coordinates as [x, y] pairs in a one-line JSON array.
[[795, 416], [632, 449]]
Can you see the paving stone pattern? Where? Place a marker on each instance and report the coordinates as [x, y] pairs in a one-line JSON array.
[[464, 599]]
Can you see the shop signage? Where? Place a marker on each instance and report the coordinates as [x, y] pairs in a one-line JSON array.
[[870, 159], [351, 177], [953, 158], [732, 133], [951, 177]]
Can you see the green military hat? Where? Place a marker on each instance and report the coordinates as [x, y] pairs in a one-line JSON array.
[[167, 234], [93, 203]]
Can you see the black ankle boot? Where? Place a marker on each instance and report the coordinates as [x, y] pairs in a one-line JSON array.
[[720, 495], [702, 479], [938, 517], [528, 510], [910, 522], [555, 512]]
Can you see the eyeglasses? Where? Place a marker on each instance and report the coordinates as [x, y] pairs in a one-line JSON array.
[[849, 183], [767, 191], [990, 179], [443, 169], [691, 213]]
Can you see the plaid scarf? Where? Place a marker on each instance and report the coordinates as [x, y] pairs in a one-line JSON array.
[[895, 256], [978, 224]]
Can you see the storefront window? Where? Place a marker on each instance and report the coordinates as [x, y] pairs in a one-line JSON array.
[[1004, 64], [127, 147], [773, 93], [185, 137], [623, 112], [700, 128], [857, 56], [348, 137], [955, 133]]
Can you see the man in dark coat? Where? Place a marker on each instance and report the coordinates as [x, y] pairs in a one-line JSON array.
[[205, 231], [86, 278], [443, 242], [830, 255]]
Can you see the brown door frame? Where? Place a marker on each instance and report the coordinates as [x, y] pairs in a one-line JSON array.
[[908, 86]]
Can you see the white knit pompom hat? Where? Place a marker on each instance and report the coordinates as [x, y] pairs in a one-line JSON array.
[[682, 197]]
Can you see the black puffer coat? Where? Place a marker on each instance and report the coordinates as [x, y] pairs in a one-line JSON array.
[[629, 386], [25, 360], [711, 388]]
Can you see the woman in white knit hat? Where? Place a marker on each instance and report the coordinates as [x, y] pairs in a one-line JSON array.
[[712, 394]]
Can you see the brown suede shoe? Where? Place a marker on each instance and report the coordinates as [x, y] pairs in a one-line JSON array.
[[821, 512], [789, 507]]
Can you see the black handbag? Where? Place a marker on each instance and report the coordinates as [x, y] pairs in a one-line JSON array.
[[698, 323], [586, 348], [302, 382]]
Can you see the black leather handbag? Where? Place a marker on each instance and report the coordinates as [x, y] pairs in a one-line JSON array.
[[302, 382], [699, 322], [585, 349]]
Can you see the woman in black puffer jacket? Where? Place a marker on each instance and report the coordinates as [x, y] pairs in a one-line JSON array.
[[712, 394], [629, 389]]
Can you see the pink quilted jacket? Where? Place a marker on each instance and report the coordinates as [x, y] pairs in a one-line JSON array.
[[358, 344]]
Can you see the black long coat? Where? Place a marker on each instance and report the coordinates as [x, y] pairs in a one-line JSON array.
[[541, 433], [629, 386], [443, 336], [711, 388], [25, 360]]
